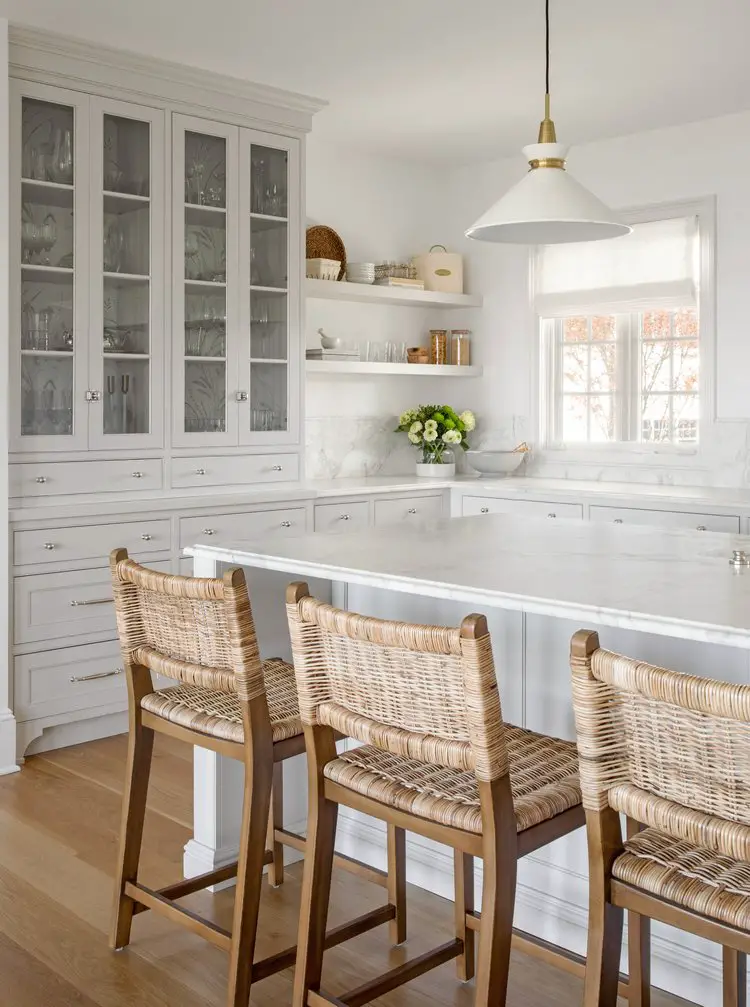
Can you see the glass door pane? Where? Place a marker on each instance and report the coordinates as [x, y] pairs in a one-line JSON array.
[[126, 266], [269, 280], [47, 336], [205, 284]]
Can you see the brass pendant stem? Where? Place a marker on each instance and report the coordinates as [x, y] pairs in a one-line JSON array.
[[547, 132]]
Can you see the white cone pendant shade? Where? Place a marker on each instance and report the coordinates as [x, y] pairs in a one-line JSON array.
[[547, 206]]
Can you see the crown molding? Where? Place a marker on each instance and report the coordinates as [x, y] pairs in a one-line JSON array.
[[54, 58]]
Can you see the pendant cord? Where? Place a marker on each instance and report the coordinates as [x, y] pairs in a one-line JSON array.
[[546, 51]]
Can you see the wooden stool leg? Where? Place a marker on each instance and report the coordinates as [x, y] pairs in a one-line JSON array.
[[316, 879], [463, 880], [255, 811], [397, 882], [138, 769], [276, 821], [605, 920], [496, 934], [735, 978], [639, 948]]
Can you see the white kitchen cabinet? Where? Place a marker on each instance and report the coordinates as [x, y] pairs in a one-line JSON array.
[[342, 517], [471, 505], [87, 266], [242, 527], [412, 509], [666, 518]]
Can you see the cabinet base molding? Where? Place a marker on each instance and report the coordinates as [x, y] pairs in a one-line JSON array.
[[8, 762], [46, 734]]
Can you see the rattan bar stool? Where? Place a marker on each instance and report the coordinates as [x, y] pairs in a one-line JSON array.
[[436, 759], [200, 632], [672, 753]]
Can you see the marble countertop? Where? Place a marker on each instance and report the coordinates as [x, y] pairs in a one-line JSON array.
[[665, 581], [103, 504]]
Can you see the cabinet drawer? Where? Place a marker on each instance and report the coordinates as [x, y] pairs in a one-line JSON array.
[[224, 470], [413, 509], [224, 529], [65, 681], [44, 479], [666, 518], [531, 508], [56, 545], [339, 517], [58, 606]]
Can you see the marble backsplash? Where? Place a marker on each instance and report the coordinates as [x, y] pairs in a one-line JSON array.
[[340, 447]]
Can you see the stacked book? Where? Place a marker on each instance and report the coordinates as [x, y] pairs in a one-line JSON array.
[[336, 354], [400, 281]]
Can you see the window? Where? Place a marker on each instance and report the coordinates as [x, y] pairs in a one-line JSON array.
[[621, 337]]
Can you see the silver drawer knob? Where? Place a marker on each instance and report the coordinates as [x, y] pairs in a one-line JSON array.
[[241, 396], [49, 545], [146, 537], [137, 475], [412, 510], [200, 472], [208, 531], [739, 558], [41, 479], [552, 514], [344, 517], [484, 510], [277, 468], [286, 524], [701, 527], [618, 520]]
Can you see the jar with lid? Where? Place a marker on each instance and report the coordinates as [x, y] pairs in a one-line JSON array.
[[438, 346], [461, 347]]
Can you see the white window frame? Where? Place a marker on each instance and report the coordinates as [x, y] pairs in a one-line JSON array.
[[548, 426]]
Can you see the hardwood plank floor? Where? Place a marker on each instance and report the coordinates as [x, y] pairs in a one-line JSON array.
[[59, 819]]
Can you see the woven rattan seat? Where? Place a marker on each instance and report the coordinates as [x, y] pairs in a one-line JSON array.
[[698, 879], [543, 775], [219, 714]]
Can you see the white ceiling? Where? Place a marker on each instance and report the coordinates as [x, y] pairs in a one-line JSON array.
[[450, 80]]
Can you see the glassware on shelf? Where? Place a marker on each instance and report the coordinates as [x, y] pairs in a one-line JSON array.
[[32, 241], [461, 347], [48, 237], [114, 246], [258, 186], [61, 166], [438, 346]]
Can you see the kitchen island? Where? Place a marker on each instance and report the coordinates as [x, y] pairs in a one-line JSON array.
[[669, 596]]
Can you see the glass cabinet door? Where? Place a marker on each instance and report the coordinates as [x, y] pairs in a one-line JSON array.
[[48, 321], [206, 270], [271, 230], [126, 303]]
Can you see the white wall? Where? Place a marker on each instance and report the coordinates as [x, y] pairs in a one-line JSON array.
[[383, 209], [705, 158]]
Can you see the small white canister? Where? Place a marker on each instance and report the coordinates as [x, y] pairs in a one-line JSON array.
[[441, 270]]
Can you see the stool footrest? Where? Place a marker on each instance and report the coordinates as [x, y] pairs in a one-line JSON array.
[[371, 874], [152, 899], [402, 974]]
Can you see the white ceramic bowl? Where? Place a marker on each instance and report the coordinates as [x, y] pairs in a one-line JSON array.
[[495, 463], [360, 272]]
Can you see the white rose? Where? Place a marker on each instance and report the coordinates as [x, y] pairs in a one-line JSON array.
[[468, 419], [430, 435], [414, 438], [415, 427]]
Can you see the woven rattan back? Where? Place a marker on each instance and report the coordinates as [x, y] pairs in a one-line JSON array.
[[668, 749], [192, 629], [425, 692]]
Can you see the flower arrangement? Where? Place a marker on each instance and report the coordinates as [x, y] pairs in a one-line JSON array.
[[435, 429]]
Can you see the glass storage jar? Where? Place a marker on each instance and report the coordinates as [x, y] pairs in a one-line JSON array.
[[461, 347]]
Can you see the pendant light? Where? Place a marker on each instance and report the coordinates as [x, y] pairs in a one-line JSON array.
[[547, 206]]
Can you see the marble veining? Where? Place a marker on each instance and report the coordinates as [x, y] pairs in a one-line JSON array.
[[664, 581]]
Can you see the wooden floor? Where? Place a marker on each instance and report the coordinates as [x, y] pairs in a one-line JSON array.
[[58, 826]]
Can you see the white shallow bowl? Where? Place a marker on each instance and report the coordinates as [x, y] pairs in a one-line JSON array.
[[495, 463]]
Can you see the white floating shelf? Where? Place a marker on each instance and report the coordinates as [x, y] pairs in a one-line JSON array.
[[413, 370], [369, 293]]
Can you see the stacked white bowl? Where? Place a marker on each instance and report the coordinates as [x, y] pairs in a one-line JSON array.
[[360, 272]]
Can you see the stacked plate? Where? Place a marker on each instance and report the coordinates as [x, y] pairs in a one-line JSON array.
[[360, 272]]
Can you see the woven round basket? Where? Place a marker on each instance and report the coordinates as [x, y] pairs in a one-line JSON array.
[[323, 243]]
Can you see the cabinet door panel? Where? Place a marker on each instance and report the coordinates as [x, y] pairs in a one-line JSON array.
[[471, 505], [410, 509], [48, 268], [127, 275], [270, 285], [667, 519], [205, 303]]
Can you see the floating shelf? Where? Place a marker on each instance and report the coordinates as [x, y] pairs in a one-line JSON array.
[[413, 370], [369, 293]]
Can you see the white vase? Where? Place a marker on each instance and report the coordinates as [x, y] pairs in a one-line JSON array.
[[442, 470]]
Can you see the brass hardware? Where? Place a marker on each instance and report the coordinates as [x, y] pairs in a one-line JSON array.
[[547, 132], [41, 479], [99, 674], [146, 537], [49, 545], [547, 162], [90, 601]]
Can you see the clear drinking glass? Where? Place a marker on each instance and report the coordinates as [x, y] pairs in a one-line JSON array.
[[374, 351]]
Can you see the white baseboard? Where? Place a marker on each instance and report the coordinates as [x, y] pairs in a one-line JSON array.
[[681, 964], [200, 859], [8, 763]]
